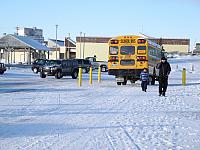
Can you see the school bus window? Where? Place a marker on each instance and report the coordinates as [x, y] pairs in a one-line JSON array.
[[160, 54], [157, 53], [150, 51], [127, 50], [127, 62], [114, 50], [141, 47], [154, 52]]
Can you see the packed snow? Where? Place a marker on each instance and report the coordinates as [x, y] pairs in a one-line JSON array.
[[49, 113]]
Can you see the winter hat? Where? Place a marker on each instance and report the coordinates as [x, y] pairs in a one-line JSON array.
[[163, 58]]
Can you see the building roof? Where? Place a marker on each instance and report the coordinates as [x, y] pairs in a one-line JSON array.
[[23, 42], [172, 41], [93, 39], [69, 43], [59, 42], [157, 40]]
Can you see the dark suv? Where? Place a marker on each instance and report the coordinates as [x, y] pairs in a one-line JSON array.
[[60, 68], [37, 64], [84, 64], [2, 68]]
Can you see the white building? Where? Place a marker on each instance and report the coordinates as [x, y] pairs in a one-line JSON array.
[[34, 33]]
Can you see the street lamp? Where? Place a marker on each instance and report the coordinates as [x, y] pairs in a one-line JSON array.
[[56, 40], [80, 43]]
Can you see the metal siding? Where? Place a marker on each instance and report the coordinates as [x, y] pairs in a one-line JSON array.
[[176, 48], [91, 49]]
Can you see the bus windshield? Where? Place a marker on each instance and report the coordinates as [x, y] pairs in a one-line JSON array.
[[127, 50]]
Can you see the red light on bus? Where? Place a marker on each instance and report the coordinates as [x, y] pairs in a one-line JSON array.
[[113, 59], [141, 58], [114, 41], [141, 41]]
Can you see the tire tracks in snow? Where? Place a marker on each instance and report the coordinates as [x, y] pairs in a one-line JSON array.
[[84, 134], [46, 139], [129, 136], [125, 101], [110, 139]]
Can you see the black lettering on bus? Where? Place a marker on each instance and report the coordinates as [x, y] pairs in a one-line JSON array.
[[125, 41], [132, 40]]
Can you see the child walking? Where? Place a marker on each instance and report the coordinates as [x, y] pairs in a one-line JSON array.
[[144, 77]]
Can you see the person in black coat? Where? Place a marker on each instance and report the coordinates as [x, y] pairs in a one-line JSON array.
[[164, 71]]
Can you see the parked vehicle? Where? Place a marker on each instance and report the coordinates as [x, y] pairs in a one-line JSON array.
[[37, 64], [2, 68], [84, 64], [60, 68], [96, 64]]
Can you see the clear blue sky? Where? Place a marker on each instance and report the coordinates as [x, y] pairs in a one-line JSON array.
[[158, 18]]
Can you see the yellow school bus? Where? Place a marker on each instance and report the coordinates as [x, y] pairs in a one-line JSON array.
[[129, 55]]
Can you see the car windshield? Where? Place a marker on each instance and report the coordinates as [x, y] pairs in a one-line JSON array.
[[53, 62], [86, 62], [40, 61]]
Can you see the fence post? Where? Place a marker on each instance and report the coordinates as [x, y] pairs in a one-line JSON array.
[[99, 74], [90, 81], [192, 67], [80, 77], [177, 67], [184, 77]]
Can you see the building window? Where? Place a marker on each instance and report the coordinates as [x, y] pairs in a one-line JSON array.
[[62, 55]]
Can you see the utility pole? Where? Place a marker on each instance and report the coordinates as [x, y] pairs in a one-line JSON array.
[[80, 43], [84, 46], [56, 41], [68, 50]]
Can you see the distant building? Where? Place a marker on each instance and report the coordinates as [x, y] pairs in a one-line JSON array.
[[34, 33], [197, 48], [65, 49], [21, 49], [181, 46], [90, 46]]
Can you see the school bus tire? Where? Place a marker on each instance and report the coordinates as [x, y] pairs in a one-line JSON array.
[[153, 80], [119, 83], [125, 82], [132, 81]]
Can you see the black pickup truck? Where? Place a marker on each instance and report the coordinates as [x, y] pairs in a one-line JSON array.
[[60, 68], [2, 68]]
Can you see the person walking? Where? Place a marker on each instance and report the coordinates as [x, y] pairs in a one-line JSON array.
[[164, 71], [144, 77]]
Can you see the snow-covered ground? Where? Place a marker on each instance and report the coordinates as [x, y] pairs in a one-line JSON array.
[[53, 114]]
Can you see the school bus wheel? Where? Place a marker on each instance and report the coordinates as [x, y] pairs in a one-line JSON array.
[[119, 83], [153, 80], [125, 82]]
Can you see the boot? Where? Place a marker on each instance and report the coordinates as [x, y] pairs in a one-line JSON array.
[[163, 94]]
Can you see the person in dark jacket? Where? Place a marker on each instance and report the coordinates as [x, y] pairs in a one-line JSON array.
[[144, 77], [164, 71]]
